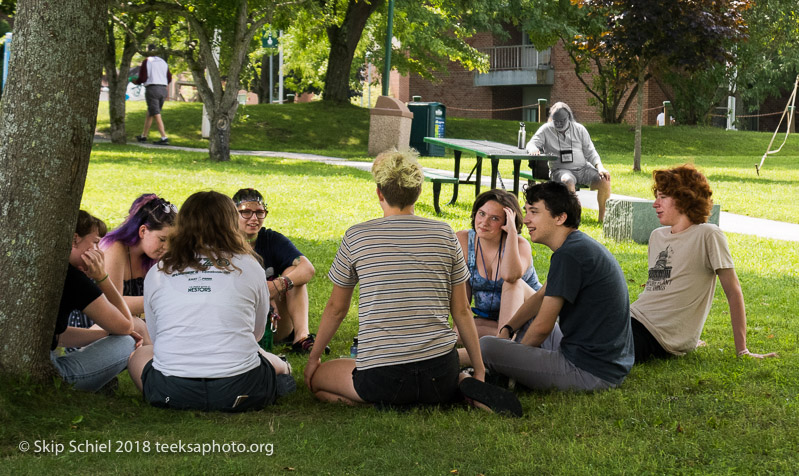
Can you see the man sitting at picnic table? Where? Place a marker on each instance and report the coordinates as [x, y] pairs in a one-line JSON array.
[[577, 159]]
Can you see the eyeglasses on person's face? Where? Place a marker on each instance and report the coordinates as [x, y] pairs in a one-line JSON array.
[[247, 213]]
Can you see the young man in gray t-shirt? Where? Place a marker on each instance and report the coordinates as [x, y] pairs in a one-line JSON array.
[[574, 333]]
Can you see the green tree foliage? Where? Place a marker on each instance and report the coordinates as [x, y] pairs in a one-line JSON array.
[[695, 94], [768, 62], [7, 10], [688, 35], [331, 41], [547, 22]]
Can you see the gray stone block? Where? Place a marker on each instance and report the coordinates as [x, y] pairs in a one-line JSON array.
[[635, 219]]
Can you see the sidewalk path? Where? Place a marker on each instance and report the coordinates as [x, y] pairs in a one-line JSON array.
[[729, 222]]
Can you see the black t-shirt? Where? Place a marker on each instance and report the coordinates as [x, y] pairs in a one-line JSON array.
[[277, 251], [79, 292]]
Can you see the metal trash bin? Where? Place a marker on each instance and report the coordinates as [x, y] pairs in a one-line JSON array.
[[429, 119]]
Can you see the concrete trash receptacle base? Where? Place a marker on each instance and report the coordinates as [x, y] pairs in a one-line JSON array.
[[389, 126]]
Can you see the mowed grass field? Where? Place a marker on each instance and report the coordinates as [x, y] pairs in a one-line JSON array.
[[706, 413]]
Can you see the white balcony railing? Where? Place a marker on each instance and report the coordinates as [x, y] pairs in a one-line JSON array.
[[518, 57]]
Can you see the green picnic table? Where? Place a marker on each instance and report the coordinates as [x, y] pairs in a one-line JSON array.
[[484, 149]]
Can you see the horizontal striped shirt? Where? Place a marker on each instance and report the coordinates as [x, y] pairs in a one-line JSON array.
[[406, 266]]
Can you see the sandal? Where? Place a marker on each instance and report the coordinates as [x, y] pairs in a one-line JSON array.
[[288, 339], [497, 399], [304, 346]]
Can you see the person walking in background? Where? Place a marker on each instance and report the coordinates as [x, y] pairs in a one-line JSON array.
[[577, 159], [154, 74]]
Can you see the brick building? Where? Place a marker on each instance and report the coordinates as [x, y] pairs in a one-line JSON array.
[[519, 76]]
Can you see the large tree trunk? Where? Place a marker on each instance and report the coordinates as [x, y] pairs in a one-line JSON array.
[[221, 119], [118, 77], [343, 41], [46, 131], [639, 118], [117, 82]]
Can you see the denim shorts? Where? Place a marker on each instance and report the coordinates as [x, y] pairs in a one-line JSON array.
[[252, 390], [429, 381]]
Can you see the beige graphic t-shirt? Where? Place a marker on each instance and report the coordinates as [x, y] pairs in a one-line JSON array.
[[681, 284]]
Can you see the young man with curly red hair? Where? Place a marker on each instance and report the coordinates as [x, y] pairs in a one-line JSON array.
[[685, 256]]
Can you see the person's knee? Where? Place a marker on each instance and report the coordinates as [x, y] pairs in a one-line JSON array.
[[601, 185], [487, 346], [568, 179]]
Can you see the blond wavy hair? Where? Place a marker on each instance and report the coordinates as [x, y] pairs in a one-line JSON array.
[[399, 177]]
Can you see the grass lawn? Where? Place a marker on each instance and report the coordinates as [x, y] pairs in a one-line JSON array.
[[728, 158], [706, 413]]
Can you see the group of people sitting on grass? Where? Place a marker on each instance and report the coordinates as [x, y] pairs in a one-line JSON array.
[[209, 296]]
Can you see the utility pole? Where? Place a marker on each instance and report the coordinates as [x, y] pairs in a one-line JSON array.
[[389, 36]]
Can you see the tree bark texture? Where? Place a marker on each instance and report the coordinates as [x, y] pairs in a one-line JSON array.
[[117, 82], [343, 41], [221, 119], [47, 122], [118, 77]]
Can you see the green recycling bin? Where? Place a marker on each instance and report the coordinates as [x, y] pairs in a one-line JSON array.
[[428, 121]]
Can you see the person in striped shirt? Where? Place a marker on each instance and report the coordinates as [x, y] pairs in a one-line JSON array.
[[412, 275]]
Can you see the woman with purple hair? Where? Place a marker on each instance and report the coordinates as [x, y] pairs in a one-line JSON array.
[[136, 245]]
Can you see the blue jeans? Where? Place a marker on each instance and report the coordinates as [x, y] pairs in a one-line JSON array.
[[96, 364]]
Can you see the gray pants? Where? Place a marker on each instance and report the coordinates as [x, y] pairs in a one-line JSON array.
[[540, 368]]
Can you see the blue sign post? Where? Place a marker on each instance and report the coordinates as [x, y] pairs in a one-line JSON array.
[[6, 55]]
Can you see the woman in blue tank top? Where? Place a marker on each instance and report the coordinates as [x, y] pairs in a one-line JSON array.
[[500, 261]]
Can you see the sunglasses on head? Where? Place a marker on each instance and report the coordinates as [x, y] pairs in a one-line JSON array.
[[166, 207]]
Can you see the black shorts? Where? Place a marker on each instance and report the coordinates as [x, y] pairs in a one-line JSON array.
[[154, 95], [252, 390], [646, 346], [429, 381]]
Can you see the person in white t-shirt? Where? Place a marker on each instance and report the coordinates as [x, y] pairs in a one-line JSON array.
[[685, 256], [206, 305], [661, 119]]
